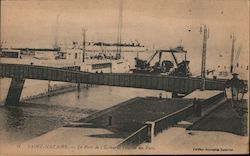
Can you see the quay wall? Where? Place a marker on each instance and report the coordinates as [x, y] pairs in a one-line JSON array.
[[152, 128]]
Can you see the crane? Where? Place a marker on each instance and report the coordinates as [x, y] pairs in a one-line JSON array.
[[165, 65]]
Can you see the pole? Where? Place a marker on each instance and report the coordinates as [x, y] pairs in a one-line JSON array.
[[49, 89], [56, 46], [186, 71], [83, 45], [232, 53], [119, 36], [203, 64]]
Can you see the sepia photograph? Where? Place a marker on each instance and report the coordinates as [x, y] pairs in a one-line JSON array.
[[124, 77]]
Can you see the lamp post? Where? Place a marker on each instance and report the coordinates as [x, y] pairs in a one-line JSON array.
[[238, 89]]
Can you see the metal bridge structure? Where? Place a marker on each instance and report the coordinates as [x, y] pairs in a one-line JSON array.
[[20, 72]]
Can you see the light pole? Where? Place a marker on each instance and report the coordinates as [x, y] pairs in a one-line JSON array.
[[238, 89], [203, 61]]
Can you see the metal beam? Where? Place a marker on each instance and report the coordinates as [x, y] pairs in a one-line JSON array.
[[156, 82]]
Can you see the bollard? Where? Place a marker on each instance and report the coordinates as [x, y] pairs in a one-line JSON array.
[[110, 120], [197, 107], [160, 95]]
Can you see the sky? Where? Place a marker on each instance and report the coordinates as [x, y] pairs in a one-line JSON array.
[[158, 23]]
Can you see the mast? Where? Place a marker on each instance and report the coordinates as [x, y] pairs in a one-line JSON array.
[[83, 44], [56, 46], [232, 53], [203, 63], [204, 49], [119, 36]]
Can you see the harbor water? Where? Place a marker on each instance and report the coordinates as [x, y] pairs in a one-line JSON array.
[[44, 114]]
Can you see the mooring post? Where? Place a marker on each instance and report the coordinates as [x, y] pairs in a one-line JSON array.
[[160, 96], [110, 120], [15, 91], [197, 107]]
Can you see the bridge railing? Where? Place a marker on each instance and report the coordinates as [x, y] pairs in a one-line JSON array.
[[42, 73], [210, 101], [215, 84], [145, 132], [157, 82], [172, 119], [135, 139]]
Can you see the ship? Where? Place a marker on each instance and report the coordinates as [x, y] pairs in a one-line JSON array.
[[72, 59], [94, 58]]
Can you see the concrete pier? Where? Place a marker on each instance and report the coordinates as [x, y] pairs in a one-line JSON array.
[[15, 91]]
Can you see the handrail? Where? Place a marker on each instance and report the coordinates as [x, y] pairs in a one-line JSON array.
[[171, 119], [174, 113], [126, 141], [131, 136], [158, 82]]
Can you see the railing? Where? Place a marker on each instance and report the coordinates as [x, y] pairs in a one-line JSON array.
[[171, 119], [207, 106], [208, 102], [219, 85], [145, 133], [52, 91], [135, 139], [157, 82]]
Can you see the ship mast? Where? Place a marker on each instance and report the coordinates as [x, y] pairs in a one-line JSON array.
[[119, 34], [56, 46], [232, 53], [204, 50], [83, 44]]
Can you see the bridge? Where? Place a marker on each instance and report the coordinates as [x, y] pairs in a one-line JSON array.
[[19, 73]]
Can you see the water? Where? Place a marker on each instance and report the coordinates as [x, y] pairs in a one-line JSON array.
[[96, 97], [18, 124]]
